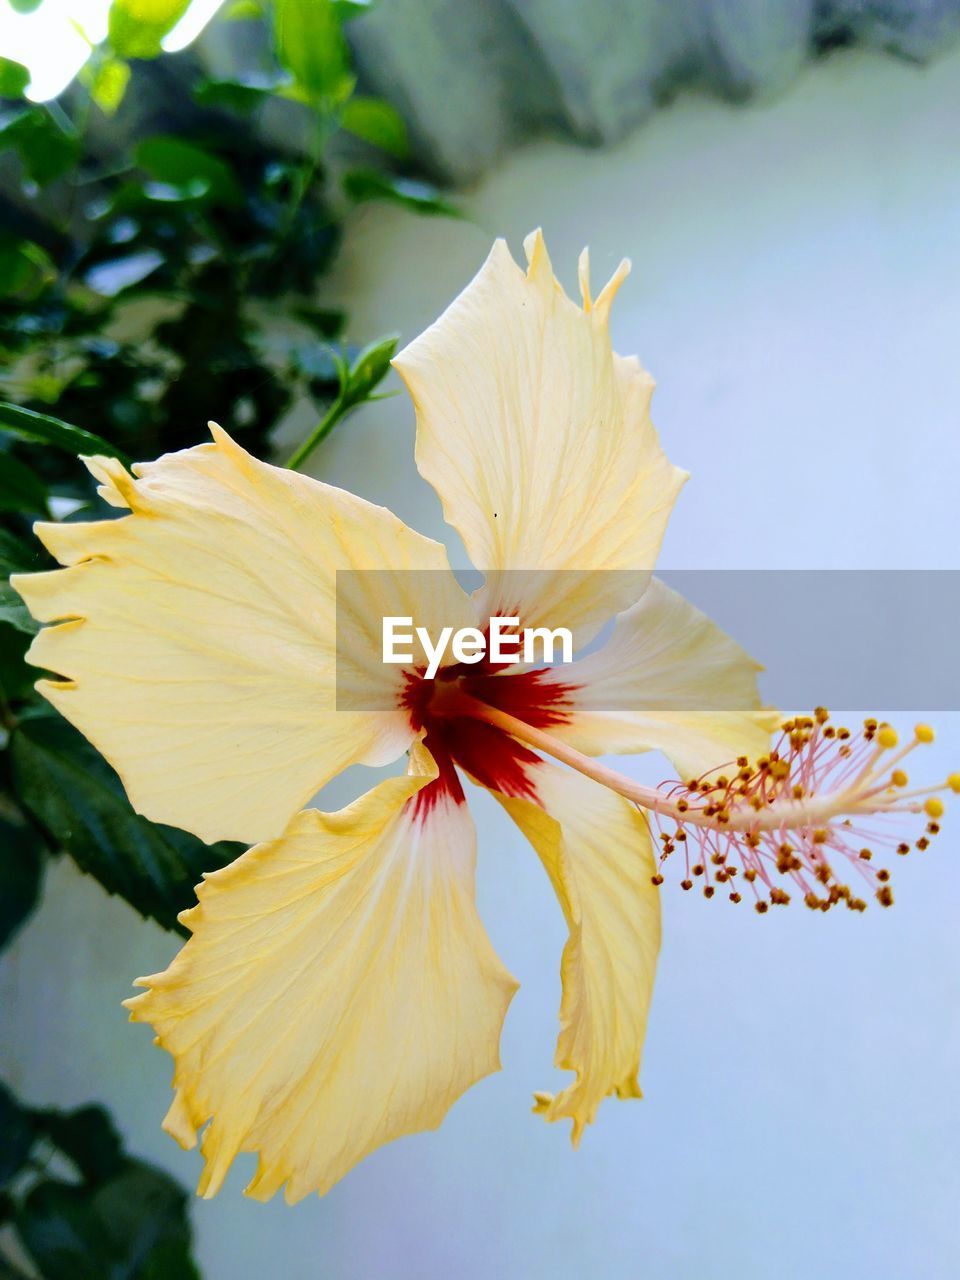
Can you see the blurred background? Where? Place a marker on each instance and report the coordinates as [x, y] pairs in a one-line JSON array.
[[235, 211]]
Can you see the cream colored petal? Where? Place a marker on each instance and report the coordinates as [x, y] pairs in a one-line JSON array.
[[338, 991], [597, 851], [538, 440], [197, 637], [668, 678]]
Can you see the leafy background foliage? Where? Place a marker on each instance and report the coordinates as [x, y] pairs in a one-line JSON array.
[[143, 286]]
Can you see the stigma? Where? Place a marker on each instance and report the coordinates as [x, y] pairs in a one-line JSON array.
[[814, 818]]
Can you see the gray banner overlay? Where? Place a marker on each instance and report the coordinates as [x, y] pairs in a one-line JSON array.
[[853, 640]]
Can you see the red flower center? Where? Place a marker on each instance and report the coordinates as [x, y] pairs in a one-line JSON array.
[[485, 753]]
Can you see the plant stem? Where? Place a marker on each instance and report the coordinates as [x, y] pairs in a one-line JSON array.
[[339, 409]]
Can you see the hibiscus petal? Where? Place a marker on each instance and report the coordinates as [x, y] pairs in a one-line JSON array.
[[667, 679], [538, 440], [597, 851], [197, 642], [338, 991]]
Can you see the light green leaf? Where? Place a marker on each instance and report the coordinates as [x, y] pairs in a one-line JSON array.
[[310, 45], [369, 369], [107, 82], [41, 428], [135, 28], [377, 122], [75, 797], [244, 11]]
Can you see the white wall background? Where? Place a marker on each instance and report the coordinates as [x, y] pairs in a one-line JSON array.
[[796, 290]]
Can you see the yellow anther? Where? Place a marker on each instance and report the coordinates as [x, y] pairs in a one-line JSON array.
[[887, 737], [924, 733], [899, 779], [953, 782], [933, 807]]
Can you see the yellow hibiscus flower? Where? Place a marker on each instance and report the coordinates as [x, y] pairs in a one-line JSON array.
[[338, 989]]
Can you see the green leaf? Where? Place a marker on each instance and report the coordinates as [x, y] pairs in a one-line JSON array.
[[14, 78], [310, 45], [14, 613], [46, 150], [107, 82], [19, 1135], [347, 10], [377, 122], [21, 489], [244, 11], [369, 369], [88, 1137], [25, 6], [16, 678], [40, 428], [25, 271], [76, 797], [135, 28], [233, 95], [22, 856], [15, 557], [327, 323], [421, 197], [179, 163], [133, 1227]]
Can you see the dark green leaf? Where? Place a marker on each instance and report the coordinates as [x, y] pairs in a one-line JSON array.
[[19, 1134], [77, 798], [21, 872], [135, 28], [328, 324], [310, 45], [46, 150], [17, 556], [88, 1137], [20, 488], [8, 1271], [233, 95], [421, 197], [370, 368], [347, 10], [14, 613], [14, 78], [16, 678], [40, 428], [133, 1227], [25, 271], [179, 163]]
